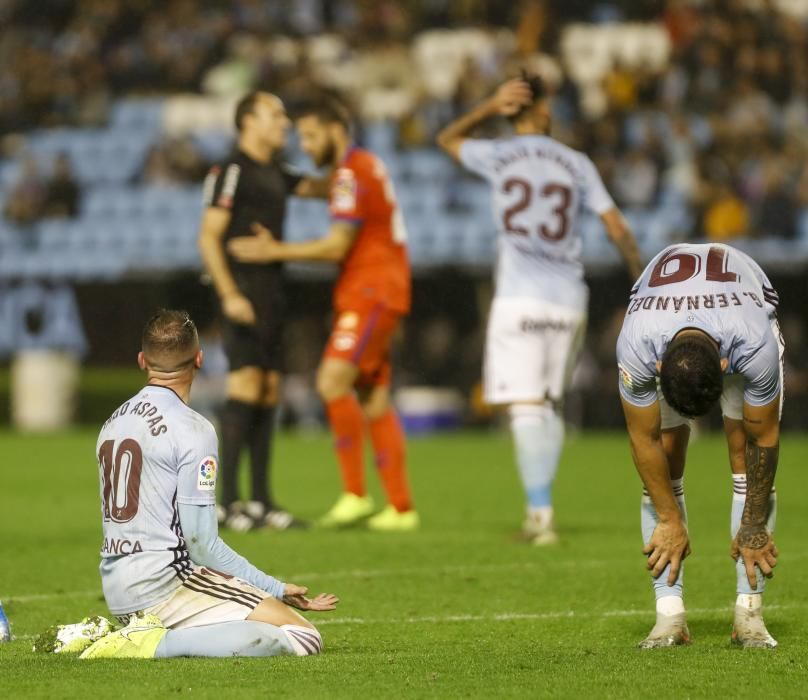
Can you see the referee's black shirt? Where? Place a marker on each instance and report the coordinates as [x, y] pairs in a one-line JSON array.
[[252, 192]]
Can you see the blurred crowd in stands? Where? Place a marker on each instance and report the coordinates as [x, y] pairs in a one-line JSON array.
[[717, 128], [38, 195]]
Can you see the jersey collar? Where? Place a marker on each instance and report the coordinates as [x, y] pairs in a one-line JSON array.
[[161, 386]]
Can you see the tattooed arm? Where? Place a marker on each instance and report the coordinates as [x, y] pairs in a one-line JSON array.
[[754, 543]]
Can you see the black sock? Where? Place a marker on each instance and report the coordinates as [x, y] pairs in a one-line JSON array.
[[237, 419], [260, 440]]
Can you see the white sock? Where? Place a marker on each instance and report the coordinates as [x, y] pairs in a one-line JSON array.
[[538, 435], [749, 601], [670, 605], [542, 513], [648, 522]]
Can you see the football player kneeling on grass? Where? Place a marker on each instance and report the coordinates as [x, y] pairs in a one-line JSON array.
[[167, 576], [701, 327]]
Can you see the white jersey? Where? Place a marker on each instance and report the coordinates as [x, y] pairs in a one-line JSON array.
[[539, 188], [716, 289], [153, 453]]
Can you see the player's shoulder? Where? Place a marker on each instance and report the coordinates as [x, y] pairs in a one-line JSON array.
[[361, 161], [234, 160], [548, 143], [577, 162], [192, 422]]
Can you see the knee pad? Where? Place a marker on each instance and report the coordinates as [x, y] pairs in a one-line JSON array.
[[305, 641]]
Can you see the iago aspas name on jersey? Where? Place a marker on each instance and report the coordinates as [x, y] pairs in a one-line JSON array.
[[146, 410]]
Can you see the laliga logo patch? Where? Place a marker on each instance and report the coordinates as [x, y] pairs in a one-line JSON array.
[[343, 192], [344, 340], [207, 474], [625, 378]]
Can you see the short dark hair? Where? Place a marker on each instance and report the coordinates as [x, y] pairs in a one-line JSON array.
[[170, 340], [691, 378], [327, 109], [538, 91], [246, 106]]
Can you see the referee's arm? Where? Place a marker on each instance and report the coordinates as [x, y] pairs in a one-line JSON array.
[[264, 248], [314, 187], [235, 305]]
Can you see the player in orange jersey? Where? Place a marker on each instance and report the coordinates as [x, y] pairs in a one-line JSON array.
[[368, 239]]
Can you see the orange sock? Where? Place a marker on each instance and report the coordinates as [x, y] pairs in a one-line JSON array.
[[388, 446], [347, 426]]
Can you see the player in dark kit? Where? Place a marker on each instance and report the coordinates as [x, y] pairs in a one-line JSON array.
[[251, 187]]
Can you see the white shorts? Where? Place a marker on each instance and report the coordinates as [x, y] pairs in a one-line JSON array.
[[206, 598], [530, 350], [731, 393]]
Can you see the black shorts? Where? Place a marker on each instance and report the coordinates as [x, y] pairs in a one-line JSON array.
[[259, 345]]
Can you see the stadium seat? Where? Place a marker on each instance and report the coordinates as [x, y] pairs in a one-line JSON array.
[[137, 113], [213, 144], [802, 227], [380, 137]]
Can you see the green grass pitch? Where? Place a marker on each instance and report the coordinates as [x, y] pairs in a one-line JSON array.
[[457, 610]]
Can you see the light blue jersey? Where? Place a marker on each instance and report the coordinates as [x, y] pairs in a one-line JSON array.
[[716, 289], [154, 453], [539, 188]]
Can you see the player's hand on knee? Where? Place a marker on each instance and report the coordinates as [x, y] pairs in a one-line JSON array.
[[238, 309], [755, 546], [295, 596], [669, 544]]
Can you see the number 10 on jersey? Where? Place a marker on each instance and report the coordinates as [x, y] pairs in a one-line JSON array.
[[120, 479]]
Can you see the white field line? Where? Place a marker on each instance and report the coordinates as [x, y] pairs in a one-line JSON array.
[[551, 615], [516, 616], [304, 577]]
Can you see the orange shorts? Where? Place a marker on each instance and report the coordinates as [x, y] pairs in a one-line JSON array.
[[364, 337]]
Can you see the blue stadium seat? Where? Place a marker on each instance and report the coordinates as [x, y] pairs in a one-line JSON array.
[[802, 227], [428, 165], [55, 236], [380, 137], [214, 145], [144, 113]]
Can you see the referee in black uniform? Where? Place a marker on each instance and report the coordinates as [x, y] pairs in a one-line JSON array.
[[251, 186]]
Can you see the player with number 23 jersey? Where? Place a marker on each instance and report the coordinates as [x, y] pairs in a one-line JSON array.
[[538, 316]]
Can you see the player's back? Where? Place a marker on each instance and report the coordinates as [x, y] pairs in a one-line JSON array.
[[148, 450], [710, 286], [377, 267], [540, 186]]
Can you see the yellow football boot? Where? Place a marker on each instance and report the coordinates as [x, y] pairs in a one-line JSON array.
[[390, 520], [138, 640], [348, 510]]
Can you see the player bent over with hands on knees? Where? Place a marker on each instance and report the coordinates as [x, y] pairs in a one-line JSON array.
[[538, 317], [701, 327], [164, 567]]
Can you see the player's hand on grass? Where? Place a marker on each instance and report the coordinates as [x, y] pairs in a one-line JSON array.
[[511, 96], [238, 309], [259, 248], [756, 547], [669, 544], [295, 596]]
